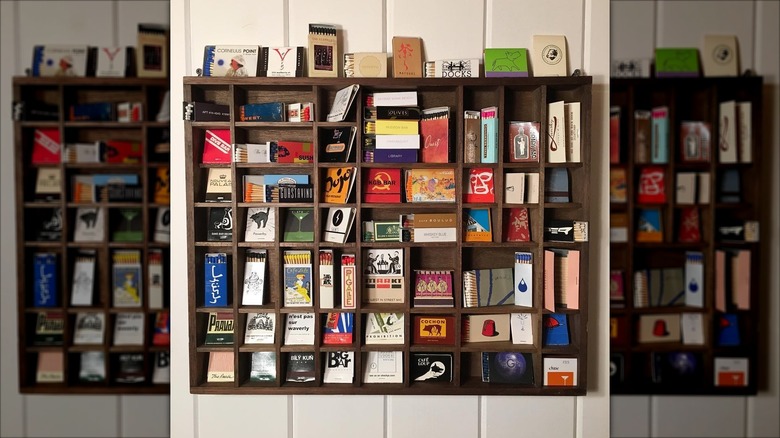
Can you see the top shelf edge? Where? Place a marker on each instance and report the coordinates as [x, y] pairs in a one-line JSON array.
[[674, 81], [89, 81], [388, 82]]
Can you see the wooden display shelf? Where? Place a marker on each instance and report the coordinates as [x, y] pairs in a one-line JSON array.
[[517, 99], [61, 93], [645, 368]]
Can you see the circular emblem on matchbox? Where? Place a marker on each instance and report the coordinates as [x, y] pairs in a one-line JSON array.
[[551, 54], [370, 66], [722, 54], [338, 217]]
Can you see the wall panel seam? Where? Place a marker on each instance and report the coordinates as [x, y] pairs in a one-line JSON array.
[[115, 21], [17, 37], [119, 429], [16, 56], [578, 419], [384, 416], [290, 415], [286, 21], [480, 420], [384, 35], [583, 42], [188, 37], [484, 23], [655, 24], [196, 416], [650, 419], [754, 36], [24, 411]]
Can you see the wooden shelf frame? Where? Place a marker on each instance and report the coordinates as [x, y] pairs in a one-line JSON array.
[[64, 92], [695, 99], [517, 99]]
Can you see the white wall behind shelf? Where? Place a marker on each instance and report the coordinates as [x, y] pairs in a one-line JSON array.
[[24, 25], [637, 28], [449, 29]]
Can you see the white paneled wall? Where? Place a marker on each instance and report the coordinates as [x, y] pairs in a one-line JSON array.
[[696, 416], [11, 403], [628, 416], [684, 24], [762, 410], [449, 28], [514, 24], [632, 29], [248, 23], [367, 420], [257, 416], [361, 31], [457, 417], [637, 28], [25, 24], [502, 414]]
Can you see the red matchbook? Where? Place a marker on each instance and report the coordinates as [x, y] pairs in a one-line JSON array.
[[690, 228], [652, 189], [47, 148], [480, 188], [382, 185], [435, 135], [217, 147], [517, 226]]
